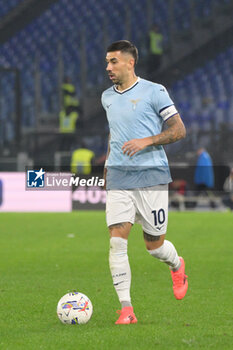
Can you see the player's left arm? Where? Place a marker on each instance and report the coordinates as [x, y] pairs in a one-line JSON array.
[[175, 131]]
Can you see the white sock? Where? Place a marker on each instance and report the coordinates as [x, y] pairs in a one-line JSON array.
[[120, 269], [167, 253]]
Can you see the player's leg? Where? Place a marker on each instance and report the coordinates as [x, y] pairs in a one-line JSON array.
[[162, 249], [154, 218], [119, 262], [165, 251], [120, 214]]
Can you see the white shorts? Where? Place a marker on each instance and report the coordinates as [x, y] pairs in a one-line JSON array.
[[146, 206]]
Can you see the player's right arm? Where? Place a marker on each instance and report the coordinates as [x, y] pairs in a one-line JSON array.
[[109, 137], [105, 165]]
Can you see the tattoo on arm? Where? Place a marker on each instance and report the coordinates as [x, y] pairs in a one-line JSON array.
[[174, 132], [150, 238]]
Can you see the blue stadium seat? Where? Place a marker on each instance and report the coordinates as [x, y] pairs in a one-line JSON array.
[[64, 23], [203, 8], [204, 97], [7, 6], [182, 15]]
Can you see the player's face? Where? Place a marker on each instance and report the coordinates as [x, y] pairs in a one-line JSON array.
[[119, 66]]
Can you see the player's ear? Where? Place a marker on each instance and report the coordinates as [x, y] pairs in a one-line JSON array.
[[131, 62]]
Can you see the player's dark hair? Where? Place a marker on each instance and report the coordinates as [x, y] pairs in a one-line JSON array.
[[126, 47]]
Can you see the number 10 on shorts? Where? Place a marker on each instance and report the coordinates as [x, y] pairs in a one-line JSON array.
[[159, 216]]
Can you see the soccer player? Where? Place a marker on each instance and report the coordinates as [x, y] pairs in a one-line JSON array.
[[136, 170]]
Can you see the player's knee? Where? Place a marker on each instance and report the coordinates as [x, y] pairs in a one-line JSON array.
[[120, 230], [153, 242]]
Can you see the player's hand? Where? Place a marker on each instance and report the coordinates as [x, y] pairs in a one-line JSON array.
[[135, 145]]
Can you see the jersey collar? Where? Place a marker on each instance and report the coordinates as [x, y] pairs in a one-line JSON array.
[[129, 88]]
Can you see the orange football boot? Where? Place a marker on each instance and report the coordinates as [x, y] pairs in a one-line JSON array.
[[127, 316], [180, 282]]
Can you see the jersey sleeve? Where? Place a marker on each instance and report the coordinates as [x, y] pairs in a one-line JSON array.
[[164, 105], [102, 101]]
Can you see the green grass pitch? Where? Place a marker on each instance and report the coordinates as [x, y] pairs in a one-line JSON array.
[[43, 256]]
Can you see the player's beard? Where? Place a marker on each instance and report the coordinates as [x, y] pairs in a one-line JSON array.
[[117, 81]]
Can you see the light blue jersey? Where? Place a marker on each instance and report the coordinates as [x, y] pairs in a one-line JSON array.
[[137, 112]]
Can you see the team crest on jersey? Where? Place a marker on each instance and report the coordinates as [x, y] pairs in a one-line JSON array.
[[134, 103]]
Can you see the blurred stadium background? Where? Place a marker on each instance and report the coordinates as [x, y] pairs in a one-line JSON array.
[[43, 42], [45, 255]]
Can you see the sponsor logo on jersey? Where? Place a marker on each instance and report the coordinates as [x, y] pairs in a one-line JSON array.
[[135, 102]]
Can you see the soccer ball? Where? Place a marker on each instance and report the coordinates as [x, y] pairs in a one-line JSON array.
[[74, 308]]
